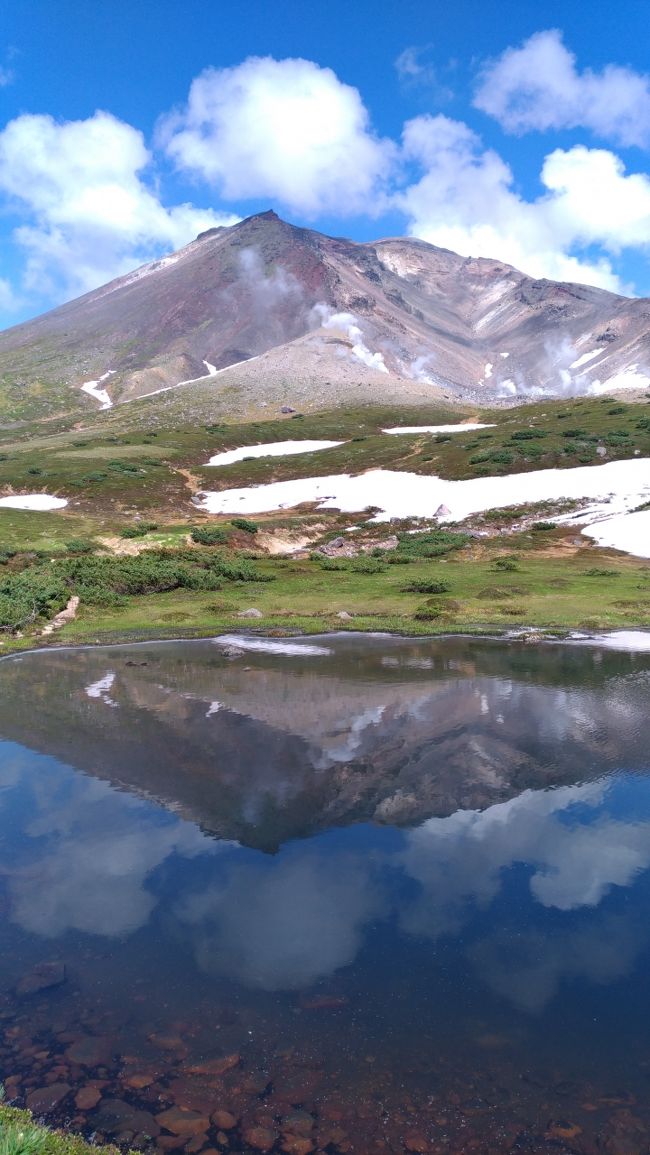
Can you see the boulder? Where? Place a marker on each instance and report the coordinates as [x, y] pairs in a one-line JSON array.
[[46, 1099], [251, 613], [42, 977]]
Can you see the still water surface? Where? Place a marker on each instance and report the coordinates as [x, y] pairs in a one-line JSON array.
[[345, 895]]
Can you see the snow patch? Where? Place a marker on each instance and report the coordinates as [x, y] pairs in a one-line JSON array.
[[587, 357], [273, 449], [629, 532], [630, 378], [614, 488], [93, 390], [212, 369], [488, 370], [36, 501], [268, 646], [635, 641]]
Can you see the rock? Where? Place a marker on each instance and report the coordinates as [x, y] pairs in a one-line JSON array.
[[196, 1144], [286, 409], [601, 451], [416, 1142], [137, 1081], [261, 1138], [115, 1116], [215, 1066], [87, 1098], [181, 1122], [344, 616], [45, 1099], [169, 1043], [297, 1145], [442, 511], [298, 1123], [42, 977], [391, 542], [562, 1129], [65, 616], [337, 543], [251, 613], [91, 1051], [224, 1120]]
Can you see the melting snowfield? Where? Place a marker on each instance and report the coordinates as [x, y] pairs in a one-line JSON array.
[[629, 532], [614, 489], [469, 428], [101, 395], [35, 501], [634, 641], [273, 449]]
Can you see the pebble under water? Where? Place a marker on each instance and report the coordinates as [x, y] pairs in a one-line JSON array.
[[345, 894]]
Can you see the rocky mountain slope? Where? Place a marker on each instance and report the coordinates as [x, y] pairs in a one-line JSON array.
[[391, 319]]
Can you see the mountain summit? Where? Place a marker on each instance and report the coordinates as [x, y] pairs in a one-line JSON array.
[[388, 319]]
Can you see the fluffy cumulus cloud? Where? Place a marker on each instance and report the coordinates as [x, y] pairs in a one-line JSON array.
[[464, 198], [284, 129], [88, 213], [538, 87], [84, 206]]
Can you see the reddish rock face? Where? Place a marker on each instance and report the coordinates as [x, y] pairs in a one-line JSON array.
[[264, 289]]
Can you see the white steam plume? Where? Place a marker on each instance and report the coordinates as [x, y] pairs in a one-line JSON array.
[[347, 322]]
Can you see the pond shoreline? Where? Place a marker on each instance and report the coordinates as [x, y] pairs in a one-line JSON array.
[[527, 635]]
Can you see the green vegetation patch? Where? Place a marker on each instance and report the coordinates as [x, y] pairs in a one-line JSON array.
[[20, 1135]]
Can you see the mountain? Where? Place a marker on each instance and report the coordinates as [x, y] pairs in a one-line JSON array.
[[383, 320]]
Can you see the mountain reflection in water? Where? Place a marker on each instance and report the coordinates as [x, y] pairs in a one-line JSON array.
[[387, 878]]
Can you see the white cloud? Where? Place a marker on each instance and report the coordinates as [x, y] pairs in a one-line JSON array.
[[90, 216], [465, 200], [538, 86], [285, 924], [284, 129]]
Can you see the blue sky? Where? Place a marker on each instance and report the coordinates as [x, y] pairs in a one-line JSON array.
[[520, 132]]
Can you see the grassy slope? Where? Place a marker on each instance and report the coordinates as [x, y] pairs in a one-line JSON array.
[[118, 467], [20, 1135]]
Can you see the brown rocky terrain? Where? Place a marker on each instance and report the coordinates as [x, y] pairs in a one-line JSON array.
[[264, 304]]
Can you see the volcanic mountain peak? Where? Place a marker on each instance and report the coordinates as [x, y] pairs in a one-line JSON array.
[[336, 319]]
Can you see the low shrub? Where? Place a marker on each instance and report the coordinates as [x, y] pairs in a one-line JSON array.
[[422, 586], [434, 543], [79, 545], [209, 535], [244, 524], [139, 529], [528, 434]]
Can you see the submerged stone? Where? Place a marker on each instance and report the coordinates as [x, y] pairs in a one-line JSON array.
[[45, 1099], [42, 977]]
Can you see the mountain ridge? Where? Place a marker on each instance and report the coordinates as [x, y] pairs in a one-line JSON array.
[[338, 316]]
